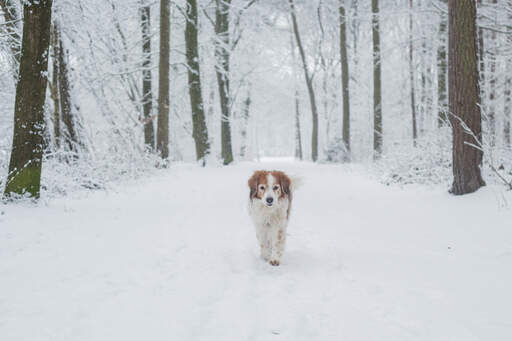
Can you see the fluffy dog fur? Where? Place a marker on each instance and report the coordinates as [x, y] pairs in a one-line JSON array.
[[270, 200]]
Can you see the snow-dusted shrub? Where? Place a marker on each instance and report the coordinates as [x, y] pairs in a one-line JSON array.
[[336, 151]]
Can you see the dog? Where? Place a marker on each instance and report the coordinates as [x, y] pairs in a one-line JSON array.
[[270, 200]]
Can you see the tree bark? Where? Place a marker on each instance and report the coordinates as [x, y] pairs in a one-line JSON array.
[[377, 97], [442, 96], [411, 76], [464, 97], [222, 56], [199, 131], [162, 139], [345, 77], [147, 93], [309, 83], [27, 148]]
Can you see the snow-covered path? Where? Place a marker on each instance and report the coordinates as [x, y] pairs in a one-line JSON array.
[[174, 258]]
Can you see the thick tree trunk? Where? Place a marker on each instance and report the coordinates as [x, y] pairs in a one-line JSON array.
[[309, 83], [377, 97], [199, 131], [442, 96], [411, 76], [222, 56], [147, 93], [162, 138], [345, 78], [464, 97], [27, 148], [12, 30]]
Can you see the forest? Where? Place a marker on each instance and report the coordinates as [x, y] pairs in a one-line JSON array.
[[140, 140], [133, 85]]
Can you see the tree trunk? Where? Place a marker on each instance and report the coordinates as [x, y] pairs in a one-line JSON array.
[[199, 131], [245, 122], [27, 148], [411, 76], [481, 58], [222, 56], [464, 97], [147, 94], [162, 138], [54, 87], [298, 135], [442, 96], [377, 97], [345, 78], [70, 134], [508, 83], [309, 83], [12, 31], [491, 116]]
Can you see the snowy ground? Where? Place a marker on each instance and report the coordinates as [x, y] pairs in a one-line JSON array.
[[174, 257]]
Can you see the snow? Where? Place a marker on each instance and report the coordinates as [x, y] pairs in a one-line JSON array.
[[174, 257]]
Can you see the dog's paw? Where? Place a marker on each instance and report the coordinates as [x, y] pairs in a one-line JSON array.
[[274, 262]]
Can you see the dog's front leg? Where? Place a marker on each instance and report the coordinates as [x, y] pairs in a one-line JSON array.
[[278, 240]]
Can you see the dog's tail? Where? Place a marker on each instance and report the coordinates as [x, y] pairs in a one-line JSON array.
[[296, 182]]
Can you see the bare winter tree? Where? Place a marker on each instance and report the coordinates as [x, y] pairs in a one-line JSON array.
[[12, 30], [344, 76], [411, 74], [464, 97], [162, 138], [309, 82], [442, 68], [147, 93], [27, 148], [199, 130], [377, 97]]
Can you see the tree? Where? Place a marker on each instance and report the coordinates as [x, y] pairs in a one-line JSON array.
[[222, 56], [199, 130], [442, 96], [11, 29], [464, 97], [147, 93], [344, 76], [377, 97], [162, 138], [491, 115], [309, 83], [27, 148], [411, 75]]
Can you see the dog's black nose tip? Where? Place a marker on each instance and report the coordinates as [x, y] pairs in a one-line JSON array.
[[270, 200]]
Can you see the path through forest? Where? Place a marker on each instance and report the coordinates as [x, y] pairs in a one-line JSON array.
[[174, 257]]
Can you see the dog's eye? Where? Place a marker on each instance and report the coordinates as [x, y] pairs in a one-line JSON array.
[[262, 188], [276, 188]]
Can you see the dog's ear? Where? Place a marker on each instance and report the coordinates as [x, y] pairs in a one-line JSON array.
[[253, 184], [285, 183]]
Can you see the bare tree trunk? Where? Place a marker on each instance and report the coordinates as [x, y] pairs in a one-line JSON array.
[[345, 78], [481, 58], [162, 138], [200, 132], [411, 76], [298, 135], [245, 122], [222, 56], [54, 87], [442, 96], [464, 97], [12, 30], [309, 83], [70, 134], [147, 93], [27, 148], [377, 97], [508, 82], [491, 116]]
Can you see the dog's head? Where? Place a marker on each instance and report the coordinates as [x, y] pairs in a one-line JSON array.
[[269, 187]]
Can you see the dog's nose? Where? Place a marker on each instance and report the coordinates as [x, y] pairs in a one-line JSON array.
[[270, 200]]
